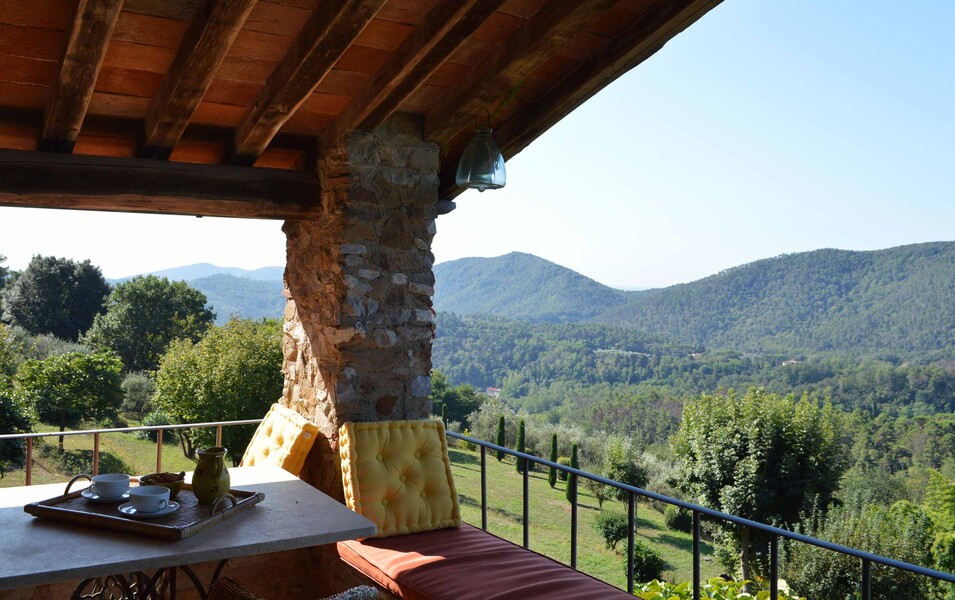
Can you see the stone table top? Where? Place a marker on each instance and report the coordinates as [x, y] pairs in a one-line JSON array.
[[36, 551]]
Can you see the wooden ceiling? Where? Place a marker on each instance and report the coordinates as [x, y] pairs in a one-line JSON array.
[[264, 82]]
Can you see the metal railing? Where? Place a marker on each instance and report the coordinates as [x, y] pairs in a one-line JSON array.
[[29, 437], [867, 558]]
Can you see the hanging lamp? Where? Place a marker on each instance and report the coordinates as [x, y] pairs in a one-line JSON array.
[[482, 165]]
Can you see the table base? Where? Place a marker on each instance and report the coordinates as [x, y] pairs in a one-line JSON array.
[[140, 586]]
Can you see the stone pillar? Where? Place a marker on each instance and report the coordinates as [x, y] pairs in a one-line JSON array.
[[358, 320]]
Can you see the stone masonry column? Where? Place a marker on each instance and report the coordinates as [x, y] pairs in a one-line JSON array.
[[358, 283]]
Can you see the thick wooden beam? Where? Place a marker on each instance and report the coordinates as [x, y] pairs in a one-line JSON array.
[[203, 48], [438, 36], [508, 66], [625, 51], [93, 22], [326, 35], [45, 180]]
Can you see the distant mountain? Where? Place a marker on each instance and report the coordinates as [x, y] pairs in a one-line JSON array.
[[229, 296], [895, 301], [200, 270], [521, 286]]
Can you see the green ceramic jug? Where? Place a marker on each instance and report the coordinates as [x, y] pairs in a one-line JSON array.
[[211, 477]]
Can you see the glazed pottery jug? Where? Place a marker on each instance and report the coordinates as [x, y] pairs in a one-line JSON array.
[[211, 478]]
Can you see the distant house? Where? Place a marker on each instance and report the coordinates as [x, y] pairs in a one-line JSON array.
[[791, 361], [493, 392], [696, 355]]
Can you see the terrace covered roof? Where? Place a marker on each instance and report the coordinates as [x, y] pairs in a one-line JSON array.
[[162, 105]]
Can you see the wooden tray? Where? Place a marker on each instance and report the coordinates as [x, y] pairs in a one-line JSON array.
[[190, 519]]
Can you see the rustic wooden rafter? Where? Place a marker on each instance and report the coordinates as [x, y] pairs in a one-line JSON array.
[[326, 35], [629, 48], [529, 47], [202, 50], [93, 23], [446, 27], [47, 180]]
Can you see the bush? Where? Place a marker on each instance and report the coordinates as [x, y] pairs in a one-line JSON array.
[[647, 563], [628, 472], [564, 461], [15, 417], [678, 519], [158, 417], [74, 462], [599, 491], [138, 390], [714, 589], [613, 527]]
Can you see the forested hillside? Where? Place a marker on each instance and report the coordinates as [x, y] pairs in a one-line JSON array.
[[894, 302], [241, 297], [521, 286]]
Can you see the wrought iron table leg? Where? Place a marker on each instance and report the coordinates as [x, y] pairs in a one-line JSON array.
[[160, 586]]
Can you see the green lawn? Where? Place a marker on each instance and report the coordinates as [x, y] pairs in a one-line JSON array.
[[550, 521]]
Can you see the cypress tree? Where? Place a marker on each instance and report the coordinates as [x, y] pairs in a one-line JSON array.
[[521, 463], [500, 438], [571, 478], [552, 475], [444, 414]]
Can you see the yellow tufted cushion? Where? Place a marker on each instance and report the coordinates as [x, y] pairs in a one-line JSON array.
[[397, 474], [283, 438]]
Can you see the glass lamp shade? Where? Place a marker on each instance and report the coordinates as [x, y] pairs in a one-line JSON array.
[[482, 164]]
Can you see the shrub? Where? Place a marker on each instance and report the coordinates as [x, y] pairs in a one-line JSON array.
[[628, 472], [15, 417], [714, 589], [599, 491], [501, 437], [74, 462], [565, 461], [647, 563], [158, 417], [571, 478], [613, 527], [678, 519], [138, 389], [552, 471]]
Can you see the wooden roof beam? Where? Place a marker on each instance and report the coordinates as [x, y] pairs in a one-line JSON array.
[[93, 23], [626, 50], [45, 180], [529, 47], [323, 39], [438, 36], [202, 50]]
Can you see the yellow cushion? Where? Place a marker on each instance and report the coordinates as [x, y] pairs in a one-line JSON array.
[[397, 474], [283, 438]]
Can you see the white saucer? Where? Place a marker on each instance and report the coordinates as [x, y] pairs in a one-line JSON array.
[[94, 498], [128, 510]]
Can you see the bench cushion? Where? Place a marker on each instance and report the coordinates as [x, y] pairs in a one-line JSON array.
[[283, 438], [468, 564]]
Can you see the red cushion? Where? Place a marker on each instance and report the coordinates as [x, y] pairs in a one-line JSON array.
[[468, 564]]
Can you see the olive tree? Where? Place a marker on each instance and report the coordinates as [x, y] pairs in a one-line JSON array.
[[15, 417], [234, 372], [760, 456]]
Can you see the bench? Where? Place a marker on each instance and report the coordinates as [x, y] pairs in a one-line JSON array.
[[468, 564]]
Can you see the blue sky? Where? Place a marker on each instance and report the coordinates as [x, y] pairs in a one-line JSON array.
[[768, 127]]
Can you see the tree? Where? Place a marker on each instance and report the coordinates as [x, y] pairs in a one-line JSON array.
[[612, 527], [444, 414], [500, 438], [762, 457], [452, 403], [234, 372], [138, 389], [599, 491], [571, 491], [56, 296], [67, 389], [552, 472], [521, 446], [15, 417], [145, 314], [4, 271]]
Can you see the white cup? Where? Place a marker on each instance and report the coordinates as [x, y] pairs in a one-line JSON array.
[[149, 498], [110, 485]]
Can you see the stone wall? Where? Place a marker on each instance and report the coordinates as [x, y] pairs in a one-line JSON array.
[[358, 322]]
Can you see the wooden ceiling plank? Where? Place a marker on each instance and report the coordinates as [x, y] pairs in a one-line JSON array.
[[47, 180], [492, 79], [202, 50], [439, 35], [93, 23], [632, 46], [329, 31]]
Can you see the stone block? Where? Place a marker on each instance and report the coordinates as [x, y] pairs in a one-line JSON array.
[[421, 386], [421, 289], [352, 249]]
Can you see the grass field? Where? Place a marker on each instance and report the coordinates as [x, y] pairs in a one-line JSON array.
[[550, 521]]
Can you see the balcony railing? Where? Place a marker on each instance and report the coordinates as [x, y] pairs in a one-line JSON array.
[[96, 433], [775, 533]]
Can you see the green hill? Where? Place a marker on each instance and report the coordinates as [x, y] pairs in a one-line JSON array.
[[520, 286], [894, 301], [229, 295]]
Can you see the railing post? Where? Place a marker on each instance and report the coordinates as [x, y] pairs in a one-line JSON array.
[[866, 579], [527, 531], [159, 450], [484, 488], [29, 475], [774, 567], [572, 482], [631, 528], [696, 555], [219, 435], [95, 454]]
